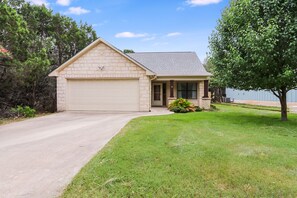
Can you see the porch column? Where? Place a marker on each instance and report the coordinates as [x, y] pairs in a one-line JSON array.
[[172, 89], [171, 97], [205, 99], [205, 89]]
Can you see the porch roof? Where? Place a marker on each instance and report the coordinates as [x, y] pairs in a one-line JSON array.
[[171, 63]]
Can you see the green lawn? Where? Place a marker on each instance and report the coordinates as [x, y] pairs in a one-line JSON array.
[[235, 152], [259, 107]]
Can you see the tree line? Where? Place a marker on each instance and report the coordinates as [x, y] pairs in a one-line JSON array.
[[37, 41]]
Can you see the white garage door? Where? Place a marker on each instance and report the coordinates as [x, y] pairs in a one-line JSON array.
[[103, 95]]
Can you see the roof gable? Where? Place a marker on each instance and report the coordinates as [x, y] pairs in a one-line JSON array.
[[91, 46], [171, 63]]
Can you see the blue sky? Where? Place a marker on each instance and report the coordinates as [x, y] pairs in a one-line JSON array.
[[147, 25]]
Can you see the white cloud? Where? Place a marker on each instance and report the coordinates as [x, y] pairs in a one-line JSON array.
[[180, 9], [39, 2], [100, 24], [173, 34], [63, 2], [202, 2], [149, 38], [77, 11], [160, 43], [130, 35]]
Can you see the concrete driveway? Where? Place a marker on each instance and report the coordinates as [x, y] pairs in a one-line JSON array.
[[40, 156]]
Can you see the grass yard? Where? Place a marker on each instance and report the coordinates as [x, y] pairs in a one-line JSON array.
[[235, 152], [259, 107]]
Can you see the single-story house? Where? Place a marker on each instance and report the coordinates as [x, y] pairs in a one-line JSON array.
[[101, 77]]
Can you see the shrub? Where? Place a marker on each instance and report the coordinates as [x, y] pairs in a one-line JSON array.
[[183, 110], [25, 111], [181, 106], [176, 109], [198, 109]]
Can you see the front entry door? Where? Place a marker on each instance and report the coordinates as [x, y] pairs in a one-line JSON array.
[[157, 99]]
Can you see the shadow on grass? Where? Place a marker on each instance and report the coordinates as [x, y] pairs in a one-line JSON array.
[[258, 116], [256, 107], [261, 122], [258, 119]]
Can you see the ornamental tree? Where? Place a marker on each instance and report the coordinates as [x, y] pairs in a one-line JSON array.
[[254, 47]]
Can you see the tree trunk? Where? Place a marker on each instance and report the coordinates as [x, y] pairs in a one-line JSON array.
[[284, 107], [216, 94]]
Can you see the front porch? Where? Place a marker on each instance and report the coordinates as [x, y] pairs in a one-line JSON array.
[[164, 91]]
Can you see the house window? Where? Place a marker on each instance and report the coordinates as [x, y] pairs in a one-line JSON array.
[[187, 90]]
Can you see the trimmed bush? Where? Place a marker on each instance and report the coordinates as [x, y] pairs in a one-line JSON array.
[[198, 109], [176, 109], [181, 106], [184, 110]]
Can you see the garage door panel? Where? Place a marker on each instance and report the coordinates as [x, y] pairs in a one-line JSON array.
[[104, 95]]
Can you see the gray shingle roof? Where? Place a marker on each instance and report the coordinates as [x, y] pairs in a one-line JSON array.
[[171, 63]]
